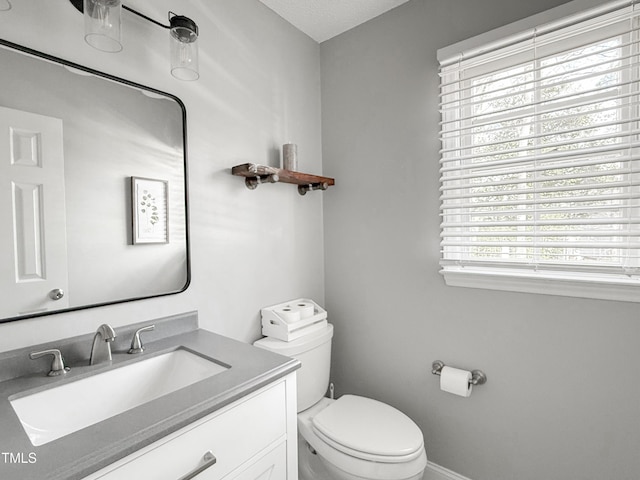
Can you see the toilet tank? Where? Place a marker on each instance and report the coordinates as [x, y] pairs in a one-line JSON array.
[[314, 353]]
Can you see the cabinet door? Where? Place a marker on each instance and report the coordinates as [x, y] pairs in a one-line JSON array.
[[271, 466]]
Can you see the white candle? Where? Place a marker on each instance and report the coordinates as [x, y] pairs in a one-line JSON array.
[[290, 156]]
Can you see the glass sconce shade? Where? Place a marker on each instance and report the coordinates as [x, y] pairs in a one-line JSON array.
[[102, 30], [183, 48], [102, 24]]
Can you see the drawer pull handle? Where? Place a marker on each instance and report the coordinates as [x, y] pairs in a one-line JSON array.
[[209, 460]]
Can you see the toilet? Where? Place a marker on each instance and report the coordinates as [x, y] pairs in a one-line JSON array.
[[352, 437]]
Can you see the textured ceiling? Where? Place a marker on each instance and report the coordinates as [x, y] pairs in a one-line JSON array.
[[324, 19]]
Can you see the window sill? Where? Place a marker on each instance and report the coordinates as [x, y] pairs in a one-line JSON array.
[[613, 287]]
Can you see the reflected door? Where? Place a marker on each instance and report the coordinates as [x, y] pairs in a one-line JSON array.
[[33, 204]]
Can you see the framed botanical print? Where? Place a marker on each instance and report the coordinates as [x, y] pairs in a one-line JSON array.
[[149, 202]]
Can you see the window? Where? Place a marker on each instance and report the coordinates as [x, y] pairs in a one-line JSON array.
[[540, 160]]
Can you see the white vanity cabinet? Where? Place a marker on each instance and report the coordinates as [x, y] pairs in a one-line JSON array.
[[252, 438]]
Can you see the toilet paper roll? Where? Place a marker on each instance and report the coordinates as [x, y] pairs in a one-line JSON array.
[[456, 381], [307, 309], [289, 314]]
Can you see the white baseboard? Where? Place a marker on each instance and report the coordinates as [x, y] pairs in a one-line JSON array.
[[436, 472]]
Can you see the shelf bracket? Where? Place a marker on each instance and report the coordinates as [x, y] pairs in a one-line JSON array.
[[253, 182], [303, 189]]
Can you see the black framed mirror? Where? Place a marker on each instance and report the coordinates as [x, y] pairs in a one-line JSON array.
[[93, 188]]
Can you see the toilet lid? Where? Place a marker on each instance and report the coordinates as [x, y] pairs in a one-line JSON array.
[[369, 429]]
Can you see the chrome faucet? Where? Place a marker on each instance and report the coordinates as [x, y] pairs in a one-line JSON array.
[[101, 348]]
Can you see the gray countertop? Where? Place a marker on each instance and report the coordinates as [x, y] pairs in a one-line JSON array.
[[81, 453]]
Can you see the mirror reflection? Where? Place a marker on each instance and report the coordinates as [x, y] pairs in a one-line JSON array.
[[93, 188]]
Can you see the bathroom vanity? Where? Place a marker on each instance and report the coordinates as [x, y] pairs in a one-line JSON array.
[[236, 423], [246, 440]]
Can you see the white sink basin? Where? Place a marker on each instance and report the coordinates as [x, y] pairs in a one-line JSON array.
[[59, 411]]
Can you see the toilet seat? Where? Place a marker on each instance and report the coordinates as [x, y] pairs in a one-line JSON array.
[[346, 425], [343, 465]]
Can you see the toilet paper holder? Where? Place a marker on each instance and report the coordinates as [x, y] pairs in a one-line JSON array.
[[478, 377]]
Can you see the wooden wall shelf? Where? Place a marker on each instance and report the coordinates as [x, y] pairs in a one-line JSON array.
[[256, 174]]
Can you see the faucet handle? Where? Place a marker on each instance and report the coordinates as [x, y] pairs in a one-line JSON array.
[[136, 343], [57, 364]]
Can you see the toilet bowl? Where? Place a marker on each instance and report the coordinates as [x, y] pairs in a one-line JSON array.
[[390, 447], [352, 437]]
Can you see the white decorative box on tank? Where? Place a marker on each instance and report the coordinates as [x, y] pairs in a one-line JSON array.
[[293, 319]]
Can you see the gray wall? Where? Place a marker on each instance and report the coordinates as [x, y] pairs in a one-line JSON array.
[[562, 397]]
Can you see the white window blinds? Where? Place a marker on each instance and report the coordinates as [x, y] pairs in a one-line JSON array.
[[540, 159]]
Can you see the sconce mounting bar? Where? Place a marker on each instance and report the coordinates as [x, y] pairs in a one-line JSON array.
[[174, 19], [79, 4]]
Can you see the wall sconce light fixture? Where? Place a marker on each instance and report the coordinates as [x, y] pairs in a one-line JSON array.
[[102, 26]]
